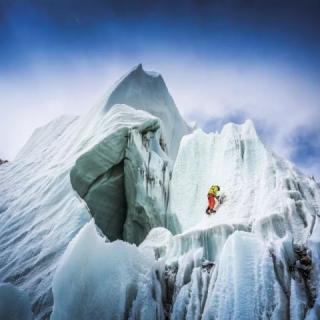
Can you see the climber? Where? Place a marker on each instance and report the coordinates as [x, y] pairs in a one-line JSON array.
[[212, 197]]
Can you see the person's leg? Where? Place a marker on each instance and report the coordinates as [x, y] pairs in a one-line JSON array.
[[211, 203]]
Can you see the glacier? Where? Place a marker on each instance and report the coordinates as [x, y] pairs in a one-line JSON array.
[[14, 303], [103, 217], [134, 175]]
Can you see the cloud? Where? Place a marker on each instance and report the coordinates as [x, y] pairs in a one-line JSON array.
[[45, 90], [283, 102]]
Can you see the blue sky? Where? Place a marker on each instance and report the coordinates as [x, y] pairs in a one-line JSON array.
[[222, 60]]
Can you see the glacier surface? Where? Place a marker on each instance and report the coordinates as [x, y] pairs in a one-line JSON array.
[[120, 173]]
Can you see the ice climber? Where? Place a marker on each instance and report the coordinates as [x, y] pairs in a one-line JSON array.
[[212, 197]]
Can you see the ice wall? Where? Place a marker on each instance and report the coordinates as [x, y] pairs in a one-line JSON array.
[[147, 175], [258, 256], [245, 286], [261, 189], [124, 179]]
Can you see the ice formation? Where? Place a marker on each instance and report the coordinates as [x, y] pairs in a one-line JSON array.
[[85, 273], [40, 213], [14, 303], [258, 257], [124, 179], [262, 265], [148, 91]]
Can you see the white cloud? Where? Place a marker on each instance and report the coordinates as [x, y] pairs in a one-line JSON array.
[[279, 98], [31, 98]]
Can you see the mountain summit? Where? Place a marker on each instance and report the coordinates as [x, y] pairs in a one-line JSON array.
[[146, 90]]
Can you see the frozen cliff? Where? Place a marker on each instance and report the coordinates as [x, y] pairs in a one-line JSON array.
[[124, 179], [103, 217], [262, 245]]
